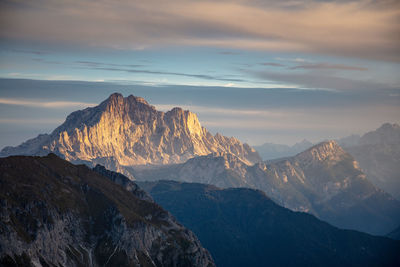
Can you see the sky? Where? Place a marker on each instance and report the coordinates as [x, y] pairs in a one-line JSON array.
[[262, 71]]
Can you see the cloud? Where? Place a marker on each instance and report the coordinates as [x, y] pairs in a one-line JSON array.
[[45, 104], [272, 64], [32, 52], [319, 81], [210, 110], [296, 60], [102, 64], [228, 53], [363, 28], [229, 85], [329, 66], [199, 76], [31, 121]]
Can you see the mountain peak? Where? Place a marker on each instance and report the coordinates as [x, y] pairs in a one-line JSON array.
[[388, 133], [117, 99], [327, 150], [126, 131], [389, 126], [114, 96]]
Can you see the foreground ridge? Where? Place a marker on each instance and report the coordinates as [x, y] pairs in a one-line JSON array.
[[54, 213]]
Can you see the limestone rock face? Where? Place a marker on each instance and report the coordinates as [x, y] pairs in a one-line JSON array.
[[123, 132], [328, 151]]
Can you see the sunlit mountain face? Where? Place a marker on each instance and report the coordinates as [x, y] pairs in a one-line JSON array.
[[298, 99]]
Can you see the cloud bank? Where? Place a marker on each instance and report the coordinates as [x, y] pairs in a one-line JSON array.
[[45, 104], [365, 28]]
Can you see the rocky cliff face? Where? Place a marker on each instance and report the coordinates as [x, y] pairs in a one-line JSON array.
[[128, 131], [324, 180], [54, 213]]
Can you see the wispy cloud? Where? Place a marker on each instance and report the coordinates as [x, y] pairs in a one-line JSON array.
[[319, 81], [363, 28], [228, 53], [329, 66], [272, 64], [295, 60], [32, 52], [95, 64], [198, 76], [210, 110], [31, 121], [44, 104]]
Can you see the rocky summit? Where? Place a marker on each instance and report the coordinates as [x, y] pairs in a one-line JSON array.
[[123, 132], [54, 213]]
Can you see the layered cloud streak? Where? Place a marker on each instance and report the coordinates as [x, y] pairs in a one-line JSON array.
[[364, 29]]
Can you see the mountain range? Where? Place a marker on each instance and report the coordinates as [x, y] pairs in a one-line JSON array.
[[243, 227], [378, 153], [324, 180], [54, 213], [130, 136]]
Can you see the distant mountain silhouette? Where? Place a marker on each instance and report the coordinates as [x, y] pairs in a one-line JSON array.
[[270, 151], [395, 234], [378, 153]]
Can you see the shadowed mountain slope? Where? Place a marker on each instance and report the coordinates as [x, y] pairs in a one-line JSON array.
[[54, 213], [243, 227]]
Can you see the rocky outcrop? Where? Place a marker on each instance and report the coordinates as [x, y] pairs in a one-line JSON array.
[[324, 180], [123, 132], [54, 213]]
